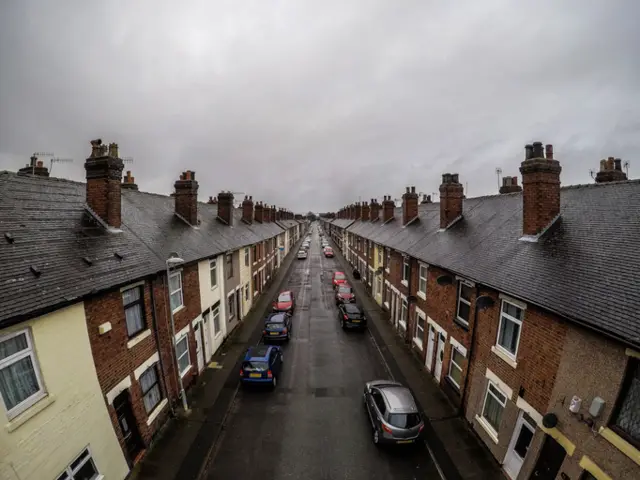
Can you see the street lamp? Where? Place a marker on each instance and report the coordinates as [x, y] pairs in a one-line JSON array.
[[174, 259]]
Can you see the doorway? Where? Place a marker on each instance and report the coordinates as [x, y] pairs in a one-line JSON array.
[[128, 426], [442, 341], [550, 460], [197, 330], [519, 445], [206, 334], [431, 344], [239, 303]]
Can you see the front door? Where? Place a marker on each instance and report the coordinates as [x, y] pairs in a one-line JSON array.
[[239, 303], [431, 344], [206, 333], [128, 426], [519, 445], [440, 355], [550, 460], [197, 330]]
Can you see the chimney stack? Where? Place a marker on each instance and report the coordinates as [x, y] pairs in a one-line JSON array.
[[358, 211], [225, 207], [104, 174], [510, 185], [451, 195], [273, 213], [36, 167], [611, 171], [247, 209], [541, 188], [258, 212], [129, 182], [409, 205], [365, 212], [266, 213], [426, 199], [374, 210], [388, 208], [186, 198]]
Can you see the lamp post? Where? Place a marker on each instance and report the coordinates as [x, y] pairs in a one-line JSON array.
[[173, 260]]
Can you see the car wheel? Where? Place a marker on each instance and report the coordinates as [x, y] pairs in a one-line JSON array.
[[342, 323], [274, 382], [288, 335], [376, 436]]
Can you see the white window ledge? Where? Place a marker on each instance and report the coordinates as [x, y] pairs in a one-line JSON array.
[[181, 307], [386, 304], [487, 428], [138, 338], [417, 342], [156, 411], [387, 270], [422, 295], [214, 287], [502, 355], [405, 283], [186, 370], [402, 323], [41, 402]]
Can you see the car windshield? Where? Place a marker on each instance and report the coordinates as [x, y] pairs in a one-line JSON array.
[[276, 319], [351, 309], [404, 420], [284, 297], [344, 289], [255, 366], [339, 276]]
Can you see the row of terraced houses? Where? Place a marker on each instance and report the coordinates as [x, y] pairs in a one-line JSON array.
[[111, 299], [524, 307]]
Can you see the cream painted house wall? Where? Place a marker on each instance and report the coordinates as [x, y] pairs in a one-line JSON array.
[[209, 296], [43, 440], [245, 279]]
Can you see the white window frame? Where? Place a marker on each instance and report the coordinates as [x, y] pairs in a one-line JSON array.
[[418, 334], [231, 304], [71, 473], [406, 269], [460, 299], [452, 363], [380, 257], [28, 352], [388, 266], [488, 392], [228, 263], [404, 312], [179, 275], [184, 337], [213, 272], [156, 370], [422, 293], [216, 313], [502, 349]]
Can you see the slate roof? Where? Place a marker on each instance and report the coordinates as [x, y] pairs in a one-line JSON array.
[[585, 268], [341, 222], [288, 223], [44, 224]]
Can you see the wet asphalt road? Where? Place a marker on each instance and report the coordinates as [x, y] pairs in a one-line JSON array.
[[314, 426]]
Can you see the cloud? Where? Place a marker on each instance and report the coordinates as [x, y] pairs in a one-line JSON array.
[[311, 105]]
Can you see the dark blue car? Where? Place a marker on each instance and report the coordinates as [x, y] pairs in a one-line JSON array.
[[277, 326], [262, 364]]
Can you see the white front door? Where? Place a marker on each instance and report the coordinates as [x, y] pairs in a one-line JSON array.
[[206, 333], [431, 344], [519, 445], [442, 340], [199, 353]]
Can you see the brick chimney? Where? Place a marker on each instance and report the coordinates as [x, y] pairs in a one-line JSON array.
[[225, 207], [247, 209], [104, 174], [36, 167], [541, 188], [129, 182], [374, 210], [510, 185], [259, 212], [611, 171], [273, 213], [388, 208], [365, 212], [266, 213], [357, 211], [426, 199], [409, 205], [451, 195], [186, 197]]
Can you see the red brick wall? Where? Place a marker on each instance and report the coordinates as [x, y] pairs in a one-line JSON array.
[[103, 196]]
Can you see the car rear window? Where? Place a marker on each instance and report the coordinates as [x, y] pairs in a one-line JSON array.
[[339, 276], [352, 309], [284, 297], [344, 289], [404, 420], [276, 319], [254, 366]]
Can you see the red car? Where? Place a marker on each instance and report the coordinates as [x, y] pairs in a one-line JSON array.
[[285, 302], [345, 294], [338, 279], [328, 252]]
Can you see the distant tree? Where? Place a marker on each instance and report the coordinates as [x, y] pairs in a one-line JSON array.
[[311, 216]]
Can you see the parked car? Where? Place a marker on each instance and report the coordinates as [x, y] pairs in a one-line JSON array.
[[338, 279], [262, 364], [351, 315], [285, 302], [302, 254], [345, 294], [306, 245], [277, 326], [328, 252], [393, 412]]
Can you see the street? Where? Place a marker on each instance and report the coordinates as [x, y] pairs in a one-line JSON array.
[[314, 426]]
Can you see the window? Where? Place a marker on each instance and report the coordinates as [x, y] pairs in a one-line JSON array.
[[377, 398], [422, 284], [175, 290], [151, 394], [403, 317], [455, 367], [494, 403], [388, 265], [404, 420], [213, 272], [464, 303], [255, 253], [82, 468], [20, 383], [216, 320], [229, 261], [182, 352], [419, 333], [246, 257], [246, 292], [626, 418], [587, 476], [509, 329], [133, 303], [380, 256], [405, 270], [232, 305]]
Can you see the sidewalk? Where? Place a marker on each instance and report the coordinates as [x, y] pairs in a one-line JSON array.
[[455, 448], [187, 441]]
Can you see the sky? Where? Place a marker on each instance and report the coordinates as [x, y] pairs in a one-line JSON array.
[[311, 105]]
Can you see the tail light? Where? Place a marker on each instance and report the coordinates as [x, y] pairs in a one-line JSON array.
[[346, 317], [269, 374], [264, 332], [284, 330], [421, 427], [241, 373], [386, 429]]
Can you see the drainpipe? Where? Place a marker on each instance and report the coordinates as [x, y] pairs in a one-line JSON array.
[[473, 342], [157, 337]]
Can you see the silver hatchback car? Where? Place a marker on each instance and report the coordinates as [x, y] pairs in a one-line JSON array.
[[393, 412]]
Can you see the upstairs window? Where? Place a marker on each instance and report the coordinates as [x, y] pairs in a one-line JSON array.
[[380, 259], [405, 270], [213, 272], [175, 291], [255, 253], [229, 261], [464, 303], [133, 303], [510, 327], [422, 284], [151, 393], [246, 257], [388, 265], [82, 468], [626, 417]]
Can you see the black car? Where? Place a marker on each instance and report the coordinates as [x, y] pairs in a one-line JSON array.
[[277, 326], [351, 315]]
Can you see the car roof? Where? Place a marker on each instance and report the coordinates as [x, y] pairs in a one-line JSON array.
[[285, 292], [336, 273], [351, 308], [272, 316], [344, 285], [399, 399], [258, 352]]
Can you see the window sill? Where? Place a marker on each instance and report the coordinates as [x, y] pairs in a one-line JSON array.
[[453, 384], [156, 411], [405, 283], [403, 324], [38, 405], [422, 295], [502, 355], [186, 370], [487, 428], [214, 287], [461, 323], [417, 342], [387, 270], [620, 443], [176, 310], [138, 338], [386, 304]]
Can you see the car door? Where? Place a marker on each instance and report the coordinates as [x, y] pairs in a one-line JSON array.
[[378, 407], [340, 313]]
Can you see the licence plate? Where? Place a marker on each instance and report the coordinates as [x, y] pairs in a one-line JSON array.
[[273, 333], [255, 375], [405, 441], [355, 321]]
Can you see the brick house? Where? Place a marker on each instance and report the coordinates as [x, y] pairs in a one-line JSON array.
[[506, 331]]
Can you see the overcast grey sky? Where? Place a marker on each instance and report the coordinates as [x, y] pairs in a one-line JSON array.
[[311, 104]]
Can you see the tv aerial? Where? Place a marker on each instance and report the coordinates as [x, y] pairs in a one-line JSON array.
[[127, 159], [58, 160]]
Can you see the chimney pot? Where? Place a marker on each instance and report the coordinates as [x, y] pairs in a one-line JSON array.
[[39, 164], [528, 151], [413, 189], [454, 178], [617, 161], [537, 150], [549, 152], [407, 190], [603, 165]]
